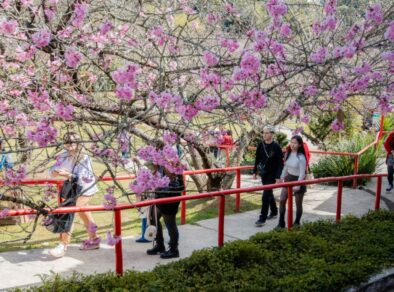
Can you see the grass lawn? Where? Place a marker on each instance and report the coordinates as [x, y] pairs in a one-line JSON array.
[[10, 236]]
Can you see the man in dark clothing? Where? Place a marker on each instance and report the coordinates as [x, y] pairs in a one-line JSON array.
[[389, 146], [268, 164]]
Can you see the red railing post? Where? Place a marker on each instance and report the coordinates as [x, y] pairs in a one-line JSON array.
[[339, 201], [221, 220], [238, 195], [118, 245], [378, 193], [183, 203], [59, 188], [289, 207], [356, 158], [381, 126]]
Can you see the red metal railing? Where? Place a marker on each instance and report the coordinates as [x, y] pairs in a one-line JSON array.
[[237, 169], [222, 194]]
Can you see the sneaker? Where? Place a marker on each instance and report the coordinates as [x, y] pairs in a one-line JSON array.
[[59, 251], [170, 254], [259, 223], [272, 216], [389, 188], [90, 244], [158, 248], [142, 240]]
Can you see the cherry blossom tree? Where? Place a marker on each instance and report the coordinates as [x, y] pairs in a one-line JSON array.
[[174, 71]]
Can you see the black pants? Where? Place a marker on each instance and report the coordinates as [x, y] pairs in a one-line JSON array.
[[268, 200], [170, 222], [390, 170]]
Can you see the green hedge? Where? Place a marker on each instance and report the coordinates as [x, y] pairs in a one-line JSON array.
[[320, 256]]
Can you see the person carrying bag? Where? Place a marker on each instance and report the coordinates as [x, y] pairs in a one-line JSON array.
[[77, 190]]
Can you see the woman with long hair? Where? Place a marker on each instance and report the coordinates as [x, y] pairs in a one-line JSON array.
[[74, 164], [294, 170]]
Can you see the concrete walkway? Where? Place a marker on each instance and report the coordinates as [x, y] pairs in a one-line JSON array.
[[24, 268]]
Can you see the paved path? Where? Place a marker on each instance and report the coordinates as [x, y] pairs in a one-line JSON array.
[[23, 268]]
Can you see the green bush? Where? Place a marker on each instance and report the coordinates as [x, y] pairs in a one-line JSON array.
[[332, 165], [320, 256]]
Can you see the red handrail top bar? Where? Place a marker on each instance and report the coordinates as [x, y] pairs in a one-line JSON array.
[[224, 169], [55, 181], [18, 212]]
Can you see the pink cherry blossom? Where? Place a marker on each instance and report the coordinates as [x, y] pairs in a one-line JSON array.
[[305, 119], [363, 69], [231, 45], [72, 57], [4, 212], [207, 103], [310, 90], [43, 134], [40, 99], [294, 108], [375, 13], [169, 137], [64, 112], [285, 30], [106, 27], [337, 126], [276, 8], [50, 13], [389, 34], [213, 18], [41, 38], [9, 27], [319, 56], [187, 111], [339, 93], [15, 176], [127, 75], [250, 63], [330, 23], [80, 12], [210, 59], [110, 201], [330, 7], [124, 92]]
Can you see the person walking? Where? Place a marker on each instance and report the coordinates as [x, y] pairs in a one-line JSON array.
[[389, 147], [6, 161], [268, 163], [168, 212], [294, 170], [75, 165]]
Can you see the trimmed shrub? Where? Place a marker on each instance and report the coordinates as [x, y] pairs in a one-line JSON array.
[[319, 256]]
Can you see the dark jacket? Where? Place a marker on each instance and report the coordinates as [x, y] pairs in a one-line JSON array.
[[389, 144], [175, 188], [273, 162]]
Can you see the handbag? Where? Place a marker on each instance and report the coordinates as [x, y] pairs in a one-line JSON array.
[[261, 166], [70, 188], [60, 223]]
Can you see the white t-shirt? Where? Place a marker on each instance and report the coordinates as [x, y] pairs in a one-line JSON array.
[[295, 165], [82, 169]]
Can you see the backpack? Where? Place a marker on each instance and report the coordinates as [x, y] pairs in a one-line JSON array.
[[307, 154]]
